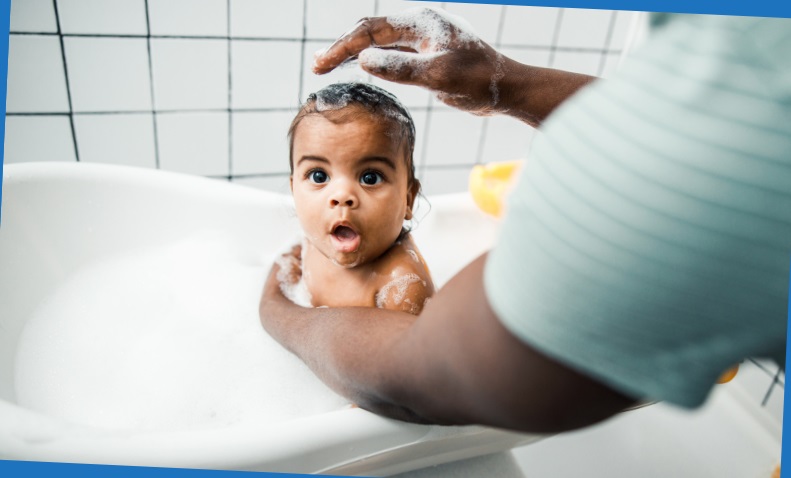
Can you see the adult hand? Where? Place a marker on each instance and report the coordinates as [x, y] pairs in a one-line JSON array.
[[428, 48], [435, 50], [454, 364]]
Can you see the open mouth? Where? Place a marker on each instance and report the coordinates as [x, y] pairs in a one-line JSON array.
[[345, 239]]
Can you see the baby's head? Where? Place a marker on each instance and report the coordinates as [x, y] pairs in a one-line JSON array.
[[352, 171]]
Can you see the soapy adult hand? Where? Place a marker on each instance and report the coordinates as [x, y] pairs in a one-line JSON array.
[[428, 48], [438, 51]]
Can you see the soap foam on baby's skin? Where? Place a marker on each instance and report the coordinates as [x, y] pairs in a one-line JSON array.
[[395, 290], [164, 338]]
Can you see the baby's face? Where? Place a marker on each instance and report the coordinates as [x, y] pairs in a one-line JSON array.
[[350, 187]]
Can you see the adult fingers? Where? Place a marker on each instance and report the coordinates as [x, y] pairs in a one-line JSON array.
[[366, 33], [399, 66]]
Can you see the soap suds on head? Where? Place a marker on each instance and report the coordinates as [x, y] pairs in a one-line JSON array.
[[338, 96], [396, 289]]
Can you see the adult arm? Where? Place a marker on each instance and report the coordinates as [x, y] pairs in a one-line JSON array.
[[432, 49], [453, 364]]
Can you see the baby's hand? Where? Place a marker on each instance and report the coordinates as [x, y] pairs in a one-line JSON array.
[[290, 266]]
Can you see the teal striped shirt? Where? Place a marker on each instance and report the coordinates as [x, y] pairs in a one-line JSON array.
[[648, 241]]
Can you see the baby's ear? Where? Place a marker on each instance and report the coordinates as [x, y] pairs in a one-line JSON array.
[[291, 183], [411, 194]]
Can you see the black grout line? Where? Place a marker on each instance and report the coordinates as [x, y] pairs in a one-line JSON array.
[[154, 111], [169, 37], [566, 49], [230, 91], [775, 382], [302, 51], [607, 42], [555, 36], [280, 109], [68, 84], [487, 120], [760, 366]]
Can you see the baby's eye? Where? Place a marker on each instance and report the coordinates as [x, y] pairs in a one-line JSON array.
[[371, 178], [318, 176]]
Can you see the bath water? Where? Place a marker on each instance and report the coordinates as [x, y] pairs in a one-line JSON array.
[[164, 338]]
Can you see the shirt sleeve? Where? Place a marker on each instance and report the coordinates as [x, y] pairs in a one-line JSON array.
[[648, 240]]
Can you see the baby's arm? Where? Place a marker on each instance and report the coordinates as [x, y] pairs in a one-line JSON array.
[[406, 285]]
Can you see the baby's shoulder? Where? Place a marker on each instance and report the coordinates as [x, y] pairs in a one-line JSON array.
[[403, 279]]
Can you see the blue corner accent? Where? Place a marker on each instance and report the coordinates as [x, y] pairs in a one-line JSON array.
[[5, 19], [32, 469]]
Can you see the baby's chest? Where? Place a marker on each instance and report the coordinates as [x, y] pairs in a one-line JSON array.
[[343, 292]]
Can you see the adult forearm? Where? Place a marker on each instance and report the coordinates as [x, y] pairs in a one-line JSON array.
[[350, 349], [531, 93], [455, 364]]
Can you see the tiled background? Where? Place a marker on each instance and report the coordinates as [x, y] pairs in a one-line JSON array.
[[209, 87]]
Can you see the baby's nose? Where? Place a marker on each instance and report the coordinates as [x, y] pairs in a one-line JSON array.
[[343, 196]]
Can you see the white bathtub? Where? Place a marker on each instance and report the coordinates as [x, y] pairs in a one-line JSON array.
[[59, 219]]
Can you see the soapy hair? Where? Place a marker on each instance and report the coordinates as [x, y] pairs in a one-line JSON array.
[[345, 102]]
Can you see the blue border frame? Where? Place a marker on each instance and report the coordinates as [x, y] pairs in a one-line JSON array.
[[761, 8]]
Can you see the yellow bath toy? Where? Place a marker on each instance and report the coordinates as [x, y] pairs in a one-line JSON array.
[[490, 183], [729, 374]]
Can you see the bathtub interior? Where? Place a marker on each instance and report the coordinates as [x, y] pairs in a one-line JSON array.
[[64, 222]]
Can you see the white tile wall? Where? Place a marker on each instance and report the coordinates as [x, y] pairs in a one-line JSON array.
[[529, 25], [108, 74], [189, 17], [484, 19], [420, 119], [254, 18], [388, 7], [755, 380], [506, 139], [578, 61], [126, 139], [312, 83], [612, 62], [584, 28], [530, 56], [259, 142], [623, 23], [125, 17], [195, 143], [190, 74], [38, 138], [36, 82], [254, 84], [278, 184], [33, 16], [179, 78], [443, 181], [328, 20], [454, 138]]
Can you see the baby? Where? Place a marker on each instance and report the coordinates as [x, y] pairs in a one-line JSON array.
[[353, 182]]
